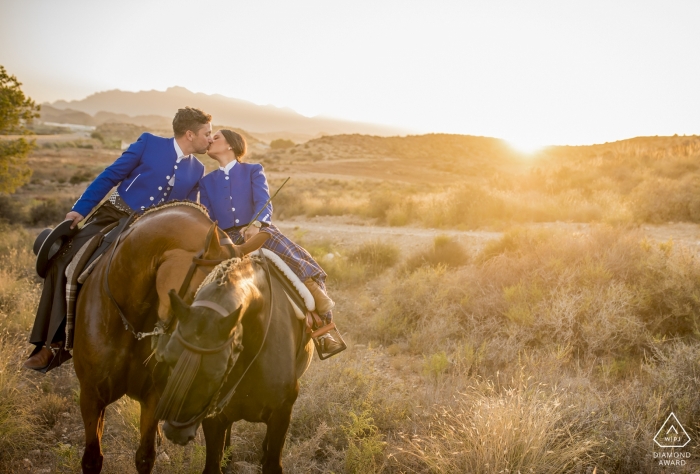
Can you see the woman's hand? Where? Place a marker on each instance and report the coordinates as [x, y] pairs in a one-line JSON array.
[[252, 230]]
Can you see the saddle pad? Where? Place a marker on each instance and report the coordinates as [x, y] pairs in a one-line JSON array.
[[293, 279], [297, 310], [72, 271]]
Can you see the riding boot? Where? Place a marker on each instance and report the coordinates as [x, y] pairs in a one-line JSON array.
[[252, 244], [43, 357], [323, 303], [328, 344]]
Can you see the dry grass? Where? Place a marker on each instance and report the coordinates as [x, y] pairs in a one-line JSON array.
[[544, 353], [520, 429], [548, 351]]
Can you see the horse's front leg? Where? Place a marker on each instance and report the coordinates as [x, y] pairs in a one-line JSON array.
[[277, 426], [215, 434], [146, 454], [92, 409]]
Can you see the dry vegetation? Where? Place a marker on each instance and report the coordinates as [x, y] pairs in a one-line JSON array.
[[547, 351], [476, 182]]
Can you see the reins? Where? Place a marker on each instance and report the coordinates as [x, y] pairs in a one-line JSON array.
[[224, 401], [189, 361], [162, 326]]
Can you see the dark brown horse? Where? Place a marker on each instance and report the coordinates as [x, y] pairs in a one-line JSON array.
[[151, 257], [276, 352]]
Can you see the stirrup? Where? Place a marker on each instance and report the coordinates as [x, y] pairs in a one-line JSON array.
[[319, 331]]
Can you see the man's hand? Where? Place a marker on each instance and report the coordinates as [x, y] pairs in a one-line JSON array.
[[75, 217], [252, 230]]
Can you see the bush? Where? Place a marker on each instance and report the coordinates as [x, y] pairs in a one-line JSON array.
[[376, 256], [11, 209], [281, 143], [523, 429], [19, 428], [605, 293], [445, 251], [81, 177], [663, 200], [50, 212]]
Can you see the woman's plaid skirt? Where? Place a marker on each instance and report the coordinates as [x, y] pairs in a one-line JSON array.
[[297, 257]]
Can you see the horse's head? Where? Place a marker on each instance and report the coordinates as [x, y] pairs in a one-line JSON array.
[[204, 345]]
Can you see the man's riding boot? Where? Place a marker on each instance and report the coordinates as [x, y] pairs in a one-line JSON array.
[[252, 244], [323, 302], [42, 358]]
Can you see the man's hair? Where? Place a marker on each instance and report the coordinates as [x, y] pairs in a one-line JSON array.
[[189, 118], [237, 143]]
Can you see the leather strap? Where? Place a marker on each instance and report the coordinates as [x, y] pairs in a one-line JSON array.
[[204, 262]]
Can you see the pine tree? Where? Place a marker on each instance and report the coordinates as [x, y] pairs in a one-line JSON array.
[[16, 111]]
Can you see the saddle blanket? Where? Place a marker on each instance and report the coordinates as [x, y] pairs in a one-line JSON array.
[[300, 288]]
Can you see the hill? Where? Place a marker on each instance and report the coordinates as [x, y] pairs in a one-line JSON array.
[[237, 112], [432, 158]]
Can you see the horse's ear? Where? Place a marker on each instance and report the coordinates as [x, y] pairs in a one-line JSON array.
[[227, 324], [179, 308], [212, 244], [224, 239]]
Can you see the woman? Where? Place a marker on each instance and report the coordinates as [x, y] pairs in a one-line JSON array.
[[234, 194]]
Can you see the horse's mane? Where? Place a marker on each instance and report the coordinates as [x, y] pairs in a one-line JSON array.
[[227, 270], [174, 203]]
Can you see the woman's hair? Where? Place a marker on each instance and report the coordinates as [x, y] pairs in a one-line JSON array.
[[236, 142]]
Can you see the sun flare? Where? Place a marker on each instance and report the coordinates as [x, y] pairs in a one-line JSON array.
[[525, 145]]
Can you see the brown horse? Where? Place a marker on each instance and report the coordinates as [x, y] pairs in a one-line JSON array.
[[263, 383], [150, 258]]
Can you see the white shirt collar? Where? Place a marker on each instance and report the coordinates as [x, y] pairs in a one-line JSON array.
[[178, 152], [228, 167]]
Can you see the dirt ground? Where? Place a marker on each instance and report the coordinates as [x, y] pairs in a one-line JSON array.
[[350, 231]]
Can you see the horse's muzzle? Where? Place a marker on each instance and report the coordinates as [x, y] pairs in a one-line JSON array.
[[180, 436]]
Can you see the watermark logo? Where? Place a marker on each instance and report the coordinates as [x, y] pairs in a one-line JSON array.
[[672, 434]]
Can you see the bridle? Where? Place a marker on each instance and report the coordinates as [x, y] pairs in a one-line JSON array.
[[188, 364], [190, 360], [193, 353]]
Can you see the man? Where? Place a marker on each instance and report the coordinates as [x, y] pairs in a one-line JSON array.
[[152, 170]]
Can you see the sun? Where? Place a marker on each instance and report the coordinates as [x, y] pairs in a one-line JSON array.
[[525, 145]]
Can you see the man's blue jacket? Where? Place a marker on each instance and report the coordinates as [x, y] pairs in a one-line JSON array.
[[142, 173]]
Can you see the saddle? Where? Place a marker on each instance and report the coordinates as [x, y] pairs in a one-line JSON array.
[[300, 297], [82, 265]]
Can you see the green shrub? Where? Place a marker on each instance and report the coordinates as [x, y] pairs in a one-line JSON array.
[[365, 444]]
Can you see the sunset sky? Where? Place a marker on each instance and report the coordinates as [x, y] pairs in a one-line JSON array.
[[532, 72]]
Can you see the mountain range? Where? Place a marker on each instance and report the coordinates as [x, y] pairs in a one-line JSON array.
[[156, 109]]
